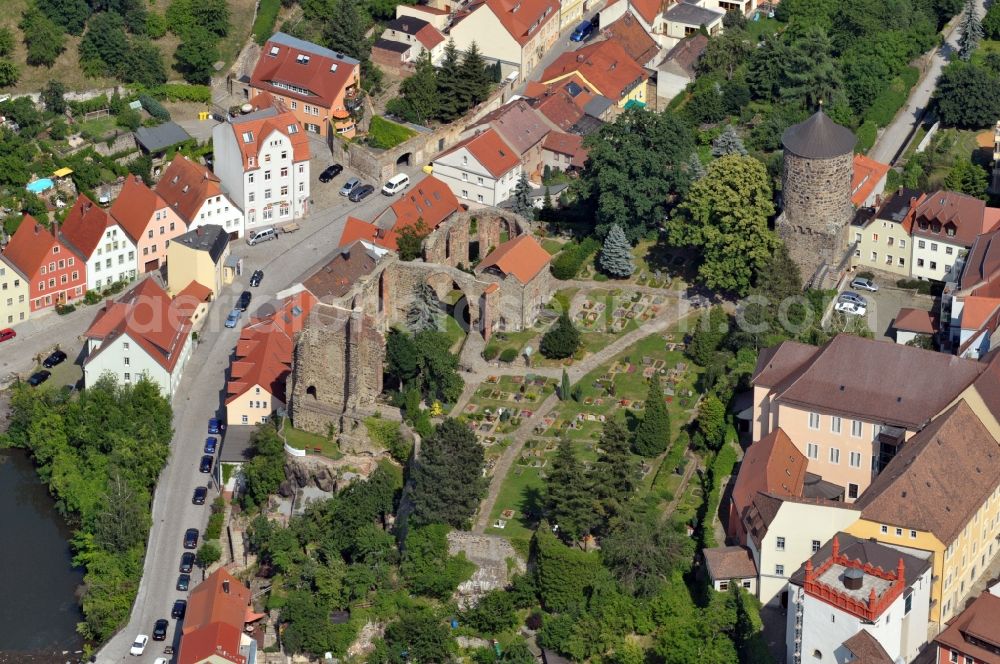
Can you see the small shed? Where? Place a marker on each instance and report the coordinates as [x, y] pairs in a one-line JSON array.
[[911, 323], [157, 140]]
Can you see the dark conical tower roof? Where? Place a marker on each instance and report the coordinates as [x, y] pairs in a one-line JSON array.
[[819, 137]]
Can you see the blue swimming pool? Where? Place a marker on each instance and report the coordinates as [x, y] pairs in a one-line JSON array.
[[38, 186]]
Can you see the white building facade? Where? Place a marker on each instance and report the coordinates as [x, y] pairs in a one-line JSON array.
[[481, 170], [113, 260]]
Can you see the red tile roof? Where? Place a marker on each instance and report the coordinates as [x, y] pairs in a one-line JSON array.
[[185, 186], [522, 257], [729, 562], [216, 613], [647, 9], [605, 65], [523, 19], [632, 37], [135, 207], [430, 200], [977, 626], [977, 311], [323, 76], [489, 150], [555, 103], [915, 320], [356, 229], [569, 144], [867, 174], [339, 275], [949, 210], [991, 219], [521, 126], [258, 129], [159, 325], [772, 465], [85, 225], [429, 36], [30, 246]]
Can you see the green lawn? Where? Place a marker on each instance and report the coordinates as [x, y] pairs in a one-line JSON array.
[[521, 492], [98, 127], [304, 440], [455, 333], [384, 134], [552, 246]]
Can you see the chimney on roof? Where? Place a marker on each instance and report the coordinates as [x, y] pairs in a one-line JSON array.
[[853, 578], [580, 57], [225, 586]]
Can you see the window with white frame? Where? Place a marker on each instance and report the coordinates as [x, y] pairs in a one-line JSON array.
[[814, 421]]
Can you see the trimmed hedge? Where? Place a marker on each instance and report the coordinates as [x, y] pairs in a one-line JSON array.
[[154, 108], [508, 355], [491, 352], [568, 262], [182, 92]]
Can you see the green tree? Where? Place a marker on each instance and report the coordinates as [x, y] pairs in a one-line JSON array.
[[156, 25], [427, 568], [967, 96], [345, 29], [438, 378], [420, 634], [402, 358], [564, 387], [424, 311], [971, 29], [969, 178], [9, 73], [635, 163], [70, 14], [616, 473], [764, 68], [695, 169], [473, 75], [196, 56], [265, 471], [144, 64], [712, 421], [522, 198], [6, 42], [712, 328], [616, 259], [725, 215], [561, 340], [725, 53], [653, 435], [125, 518], [410, 240], [567, 495], [492, 614], [43, 37], [53, 97], [728, 142], [447, 478], [104, 48], [810, 73], [208, 554], [418, 101], [450, 89], [563, 574], [642, 554], [991, 22]]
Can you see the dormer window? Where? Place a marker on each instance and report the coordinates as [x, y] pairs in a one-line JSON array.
[[302, 59], [175, 179], [333, 67], [293, 129], [248, 137], [950, 230], [274, 51], [185, 189]]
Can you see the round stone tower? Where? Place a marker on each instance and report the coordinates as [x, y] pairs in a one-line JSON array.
[[819, 157]]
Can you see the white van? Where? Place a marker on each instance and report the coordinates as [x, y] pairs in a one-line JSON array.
[[396, 184], [262, 235]]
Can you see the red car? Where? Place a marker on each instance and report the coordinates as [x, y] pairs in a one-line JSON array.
[[7, 333]]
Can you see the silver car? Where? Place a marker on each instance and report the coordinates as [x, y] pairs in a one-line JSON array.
[[864, 284], [349, 186], [849, 296]]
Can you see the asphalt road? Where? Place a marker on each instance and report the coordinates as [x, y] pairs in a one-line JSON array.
[[200, 396], [893, 139]]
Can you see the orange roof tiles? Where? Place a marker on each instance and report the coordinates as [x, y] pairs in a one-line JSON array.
[[991, 219], [356, 229], [159, 325], [632, 37], [975, 633], [915, 320], [605, 65], [867, 174], [772, 465], [30, 246], [85, 225], [948, 210], [213, 624], [429, 36], [489, 150], [523, 19], [135, 206], [647, 9], [186, 185], [555, 103], [522, 257], [281, 66], [252, 132], [977, 311], [568, 144], [430, 200]]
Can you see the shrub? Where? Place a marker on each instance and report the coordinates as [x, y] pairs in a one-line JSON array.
[[63, 309], [508, 355], [156, 25], [213, 530], [384, 135], [182, 92], [568, 262], [892, 98], [89, 105], [92, 297], [490, 352], [867, 133], [154, 108]]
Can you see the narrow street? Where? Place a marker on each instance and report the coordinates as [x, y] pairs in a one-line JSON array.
[[894, 138]]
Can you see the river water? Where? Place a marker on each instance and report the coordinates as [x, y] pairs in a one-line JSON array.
[[38, 606]]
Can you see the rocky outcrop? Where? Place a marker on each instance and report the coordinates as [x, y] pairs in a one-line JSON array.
[[496, 563], [327, 475]]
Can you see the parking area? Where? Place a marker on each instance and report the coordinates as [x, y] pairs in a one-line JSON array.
[[886, 303]]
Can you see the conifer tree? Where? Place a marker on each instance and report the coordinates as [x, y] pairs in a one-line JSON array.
[[474, 76], [653, 435], [564, 387], [616, 254], [616, 473], [696, 170], [424, 310], [567, 495], [562, 339], [972, 31], [522, 198], [810, 73], [450, 89], [728, 142]]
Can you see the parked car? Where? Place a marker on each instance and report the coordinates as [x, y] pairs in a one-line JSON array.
[[851, 308], [214, 425], [244, 301], [848, 296], [330, 172], [180, 608], [210, 444], [233, 318], [359, 194], [57, 357], [582, 32], [256, 278], [862, 283], [199, 495], [183, 582], [7, 333], [349, 186], [139, 645], [160, 629], [206, 464], [187, 562], [39, 378], [191, 538]]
